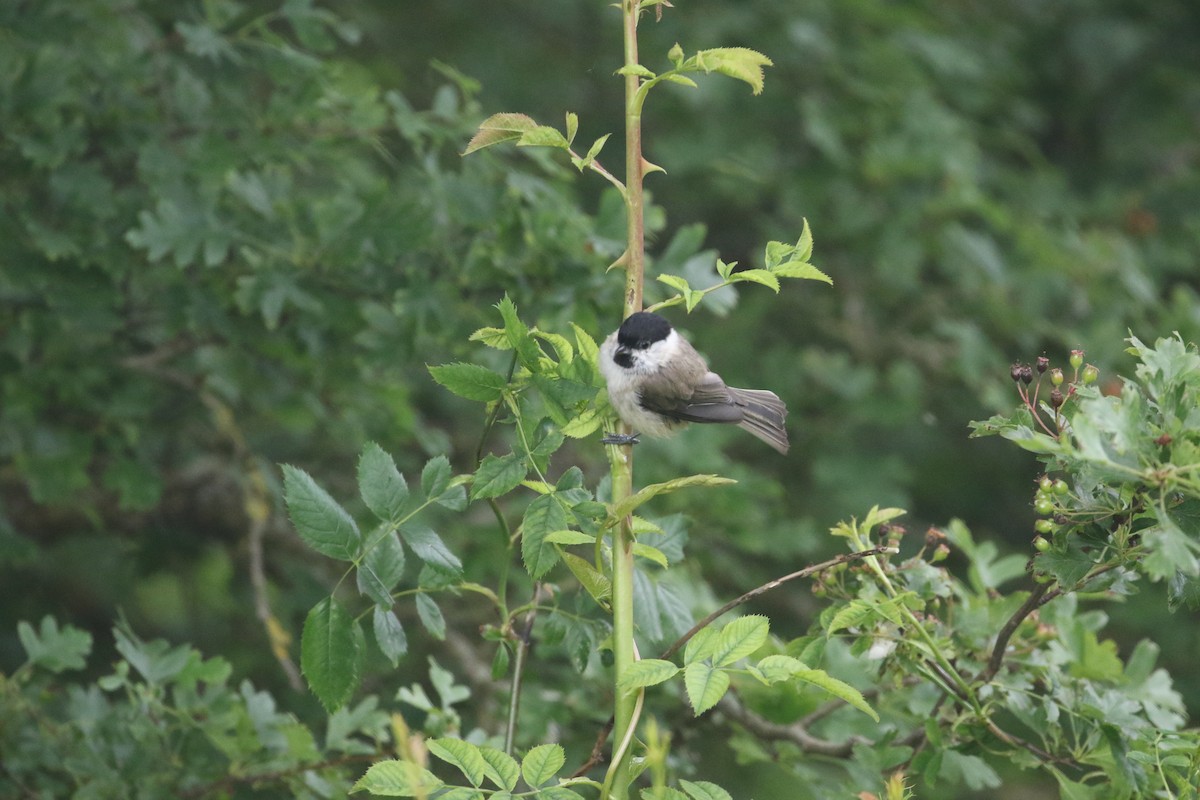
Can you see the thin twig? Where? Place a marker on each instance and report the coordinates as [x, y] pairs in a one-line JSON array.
[[796, 733], [1010, 627], [766, 587], [524, 642]]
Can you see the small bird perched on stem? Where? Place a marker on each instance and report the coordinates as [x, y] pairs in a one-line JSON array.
[[658, 383]]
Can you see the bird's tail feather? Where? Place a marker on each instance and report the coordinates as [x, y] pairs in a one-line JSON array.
[[763, 416]]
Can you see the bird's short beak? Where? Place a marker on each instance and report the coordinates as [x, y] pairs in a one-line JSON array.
[[623, 356]]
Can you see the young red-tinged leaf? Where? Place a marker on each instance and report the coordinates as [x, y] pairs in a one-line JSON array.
[[382, 566], [739, 639], [470, 381], [499, 128], [498, 475], [389, 634], [501, 768], [382, 487], [318, 518], [647, 672], [736, 62], [542, 763], [705, 686], [703, 790], [331, 648], [461, 754], [543, 516], [395, 778], [431, 616]]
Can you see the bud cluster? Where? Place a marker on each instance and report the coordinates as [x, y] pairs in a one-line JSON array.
[[1062, 390], [1048, 502]]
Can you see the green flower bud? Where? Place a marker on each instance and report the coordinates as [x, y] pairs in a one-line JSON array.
[[1076, 359], [1090, 374], [1056, 376]]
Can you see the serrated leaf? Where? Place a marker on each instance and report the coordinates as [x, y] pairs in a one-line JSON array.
[[703, 790], [53, 648], [381, 567], [705, 686], [627, 506], [839, 689], [330, 653], [462, 755], [585, 423], [499, 128], [518, 333], [853, 615], [383, 489], [491, 337], [760, 276], [542, 517], [429, 547], [501, 768], [683, 80], [572, 126], [470, 381], [568, 537], [593, 580], [498, 475], [320, 521], [804, 246], [596, 147], [802, 270], [395, 778], [647, 672], [676, 282], [435, 477], [640, 70], [777, 668], [389, 634], [542, 763], [650, 554], [588, 349], [701, 646], [543, 136], [736, 62], [740, 638], [562, 345], [431, 616]]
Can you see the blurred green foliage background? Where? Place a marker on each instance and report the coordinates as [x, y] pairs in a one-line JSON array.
[[230, 240]]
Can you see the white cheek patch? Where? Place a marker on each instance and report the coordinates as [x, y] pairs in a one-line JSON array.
[[654, 357]]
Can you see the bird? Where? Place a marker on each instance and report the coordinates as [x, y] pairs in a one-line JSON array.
[[657, 383]]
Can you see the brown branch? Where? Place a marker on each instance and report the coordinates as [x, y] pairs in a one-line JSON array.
[[796, 733], [766, 587], [599, 752], [1033, 602]]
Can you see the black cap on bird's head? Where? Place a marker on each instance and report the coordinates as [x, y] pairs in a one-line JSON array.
[[642, 329]]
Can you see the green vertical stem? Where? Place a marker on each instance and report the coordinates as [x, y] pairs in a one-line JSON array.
[[621, 458]]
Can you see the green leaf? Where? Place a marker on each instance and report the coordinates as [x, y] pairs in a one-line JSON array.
[[381, 567], [331, 653], [635, 69], [650, 554], [470, 381], [593, 580], [801, 270], [518, 334], [701, 646], [839, 689], [499, 128], [500, 768], [736, 62], [804, 247], [558, 793], [396, 778], [381, 485], [585, 423], [542, 517], [431, 616], [626, 507], [568, 537], [460, 754], [494, 338], [542, 763], [760, 276], [543, 136], [572, 126], [389, 634], [705, 686], [53, 648], [498, 475], [855, 614], [318, 518], [777, 668], [435, 477], [739, 639], [683, 80], [703, 790], [647, 672], [429, 547]]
